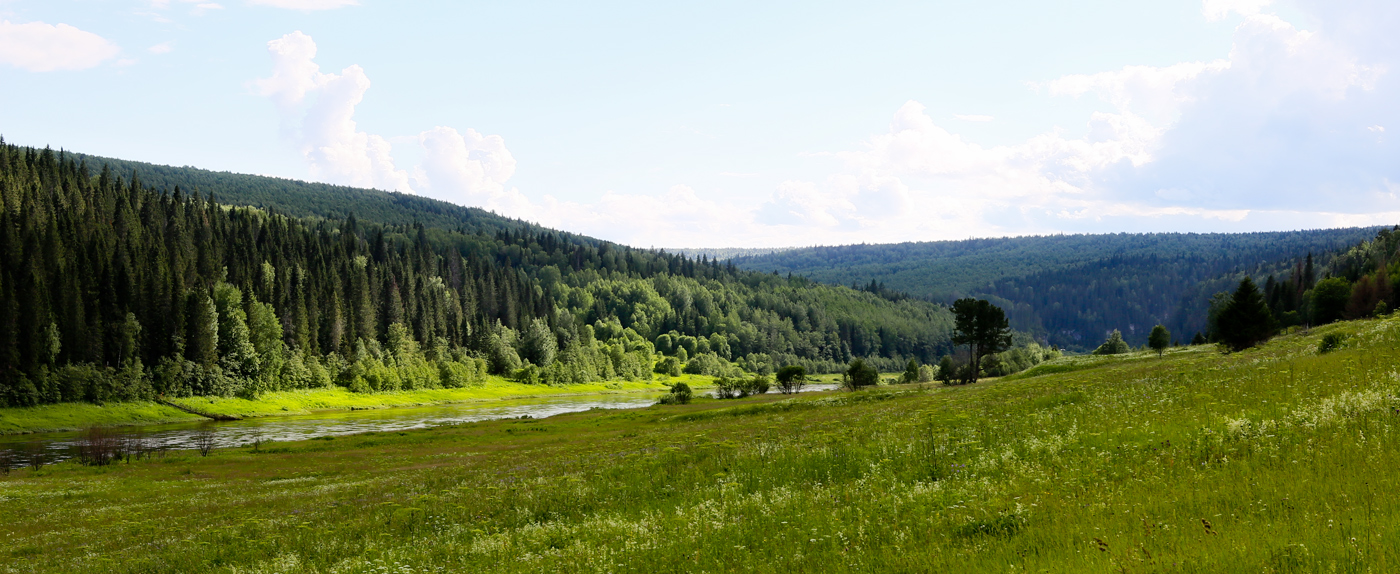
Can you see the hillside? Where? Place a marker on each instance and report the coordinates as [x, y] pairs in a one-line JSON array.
[[1070, 289], [309, 199], [114, 289]]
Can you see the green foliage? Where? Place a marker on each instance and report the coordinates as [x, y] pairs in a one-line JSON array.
[[911, 372], [1246, 321], [740, 387], [710, 364], [947, 370], [1330, 342], [1069, 288], [1019, 359], [983, 327], [1199, 339], [791, 379], [1097, 468], [277, 284], [680, 395], [1113, 345], [669, 366], [1329, 300], [537, 343], [1159, 339], [860, 375]]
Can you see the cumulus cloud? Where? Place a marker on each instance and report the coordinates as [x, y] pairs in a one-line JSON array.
[[1286, 130], [318, 115], [40, 47]]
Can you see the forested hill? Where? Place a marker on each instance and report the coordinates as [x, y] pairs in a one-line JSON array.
[[309, 199], [111, 288], [1069, 289]]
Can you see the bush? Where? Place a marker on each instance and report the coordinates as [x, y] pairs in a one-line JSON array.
[[947, 370], [1330, 342], [669, 366], [860, 375], [1114, 345], [738, 388], [528, 374], [680, 395], [911, 372], [791, 379]]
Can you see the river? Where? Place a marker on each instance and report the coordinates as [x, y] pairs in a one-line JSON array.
[[17, 451]]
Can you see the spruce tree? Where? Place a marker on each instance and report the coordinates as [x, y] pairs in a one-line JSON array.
[[1246, 320]]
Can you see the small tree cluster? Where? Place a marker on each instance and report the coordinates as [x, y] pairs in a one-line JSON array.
[[791, 379], [680, 395], [1114, 345], [738, 388], [860, 375]]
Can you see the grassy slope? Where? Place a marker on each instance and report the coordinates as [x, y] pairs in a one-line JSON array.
[[1274, 459], [73, 416]]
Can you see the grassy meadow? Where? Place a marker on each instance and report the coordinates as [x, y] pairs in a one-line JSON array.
[[1276, 459]]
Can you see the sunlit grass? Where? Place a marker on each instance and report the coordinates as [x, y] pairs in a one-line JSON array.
[[75, 416], [1271, 460]]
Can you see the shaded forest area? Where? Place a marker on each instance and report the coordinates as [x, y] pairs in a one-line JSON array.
[[1070, 290], [111, 289]]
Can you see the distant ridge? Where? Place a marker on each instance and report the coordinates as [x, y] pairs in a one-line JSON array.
[[1069, 289], [723, 253], [310, 199]]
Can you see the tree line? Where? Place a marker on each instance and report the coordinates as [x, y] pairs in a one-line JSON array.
[[113, 289]]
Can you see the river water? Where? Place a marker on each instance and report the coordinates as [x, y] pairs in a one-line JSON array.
[[17, 451]]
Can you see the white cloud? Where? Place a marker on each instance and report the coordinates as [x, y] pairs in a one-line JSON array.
[[162, 48], [325, 129], [318, 112], [305, 5], [40, 47], [468, 169], [1285, 131], [973, 118]]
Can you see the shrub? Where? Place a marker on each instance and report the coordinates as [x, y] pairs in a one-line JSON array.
[[860, 375], [791, 379], [1114, 345], [947, 370], [1330, 342], [528, 374], [911, 372], [738, 388], [680, 395], [670, 366]]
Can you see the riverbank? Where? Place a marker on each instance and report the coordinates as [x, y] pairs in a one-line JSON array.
[[76, 416], [1274, 459]]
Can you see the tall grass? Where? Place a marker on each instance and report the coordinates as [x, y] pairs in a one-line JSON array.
[[1271, 460]]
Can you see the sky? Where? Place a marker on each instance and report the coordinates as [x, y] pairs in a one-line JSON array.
[[748, 124]]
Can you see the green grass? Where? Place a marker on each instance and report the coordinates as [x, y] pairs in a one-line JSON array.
[[1271, 460], [337, 398], [72, 416], [77, 416]]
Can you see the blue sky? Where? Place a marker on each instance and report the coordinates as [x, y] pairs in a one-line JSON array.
[[747, 124]]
